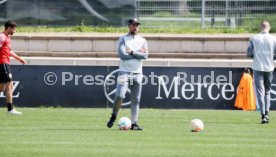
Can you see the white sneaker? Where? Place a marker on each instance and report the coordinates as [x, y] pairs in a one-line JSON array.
[[13, 111]]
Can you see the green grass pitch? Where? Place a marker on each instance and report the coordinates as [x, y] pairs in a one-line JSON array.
[[67, 132]]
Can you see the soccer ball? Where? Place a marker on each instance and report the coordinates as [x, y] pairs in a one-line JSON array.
[[196, 125], [124, 123]]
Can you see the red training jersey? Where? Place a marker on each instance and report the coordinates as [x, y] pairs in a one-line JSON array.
[[5, 47]]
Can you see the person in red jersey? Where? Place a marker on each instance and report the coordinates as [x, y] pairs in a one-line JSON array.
[[6, 83]]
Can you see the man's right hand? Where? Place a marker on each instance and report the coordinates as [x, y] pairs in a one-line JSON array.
[[143, 50]]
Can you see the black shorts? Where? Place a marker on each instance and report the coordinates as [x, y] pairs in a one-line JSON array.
[[5, 73]]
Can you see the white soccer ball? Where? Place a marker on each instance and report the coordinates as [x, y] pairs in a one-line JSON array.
[[196, 125], [124, 123]]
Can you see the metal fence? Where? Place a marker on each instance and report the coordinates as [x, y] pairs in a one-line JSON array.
[[152, 13], [67, 12], [204, 13]]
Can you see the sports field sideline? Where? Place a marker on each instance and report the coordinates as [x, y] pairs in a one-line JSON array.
[[68, 132]]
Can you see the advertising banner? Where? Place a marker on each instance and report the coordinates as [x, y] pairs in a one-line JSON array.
[[95, 86]]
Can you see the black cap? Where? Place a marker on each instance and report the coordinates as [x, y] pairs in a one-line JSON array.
[[133, 20]]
